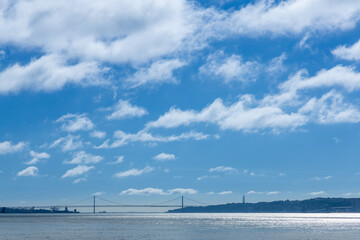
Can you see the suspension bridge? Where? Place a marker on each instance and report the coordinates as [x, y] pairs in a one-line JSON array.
[[93, 203]]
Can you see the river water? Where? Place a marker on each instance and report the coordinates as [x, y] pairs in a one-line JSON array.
[[162, 226]]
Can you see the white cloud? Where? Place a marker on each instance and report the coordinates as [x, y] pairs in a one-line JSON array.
[[84, 158], [119, 160], [253, 192], [330, 108], [206, 177], [316, 193], [322, 178], [75, 43], [268, 193], [293, 17], [222, 169], [40, 155], [157, 191], [134, 172], [49, 73], [98, 134], [158, 73], [68, 143], [285, 110], [7, 147], [78, 170], [346, 77], [273, 193], [145, 191], [238, 116], [348, 52], [30, 171], [143, 136], [134, 31], [276, 65], [230, 69], [225, 192], [98, 194], [76, 28], [162, 157], [182, 191], [124, 109], [79, 180], [75, 122], [202, 177], [37, 156]]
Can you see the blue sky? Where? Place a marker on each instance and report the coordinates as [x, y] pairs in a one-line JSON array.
[[145, 101]]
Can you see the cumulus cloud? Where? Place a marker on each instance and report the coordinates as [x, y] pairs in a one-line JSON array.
[[225, 192], [341, 76], [84, 158], [267, 193], [145, 191], [134, 172], [162, 157], [238, 116], [37, 156], [159, 72], [119, 159], [98, 134], [78, 170], [68, 143], [330, 108], [123, 138], [77, 28], [288, 109], [182, 191], [273, 193], [322, 178], [75, 122], [222, 169], [348, 52], [28, 172], [230, 69], [124, 109], [49, 73], [79, 180], [317, 193], [98, 194], [253, 192], [7, 147], [293, 17], [206, 177], [157, 191]]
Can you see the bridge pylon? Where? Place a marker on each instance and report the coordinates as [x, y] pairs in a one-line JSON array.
[[94, 205]]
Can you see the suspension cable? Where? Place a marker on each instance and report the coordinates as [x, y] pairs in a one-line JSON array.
[[197, 201], [118, 203], [166, 201], [72, 203]]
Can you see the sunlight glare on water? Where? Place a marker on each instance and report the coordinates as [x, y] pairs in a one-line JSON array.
[[248, 226]]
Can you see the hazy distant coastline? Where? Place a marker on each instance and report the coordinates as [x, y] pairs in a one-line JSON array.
[[315, 205]]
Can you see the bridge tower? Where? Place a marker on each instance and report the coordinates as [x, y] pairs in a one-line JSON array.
[[94, 205]]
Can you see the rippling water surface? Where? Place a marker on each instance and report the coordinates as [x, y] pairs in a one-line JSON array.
[[181, 226]]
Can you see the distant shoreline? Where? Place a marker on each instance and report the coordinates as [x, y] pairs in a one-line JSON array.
[[4, 210], [315, 205]]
